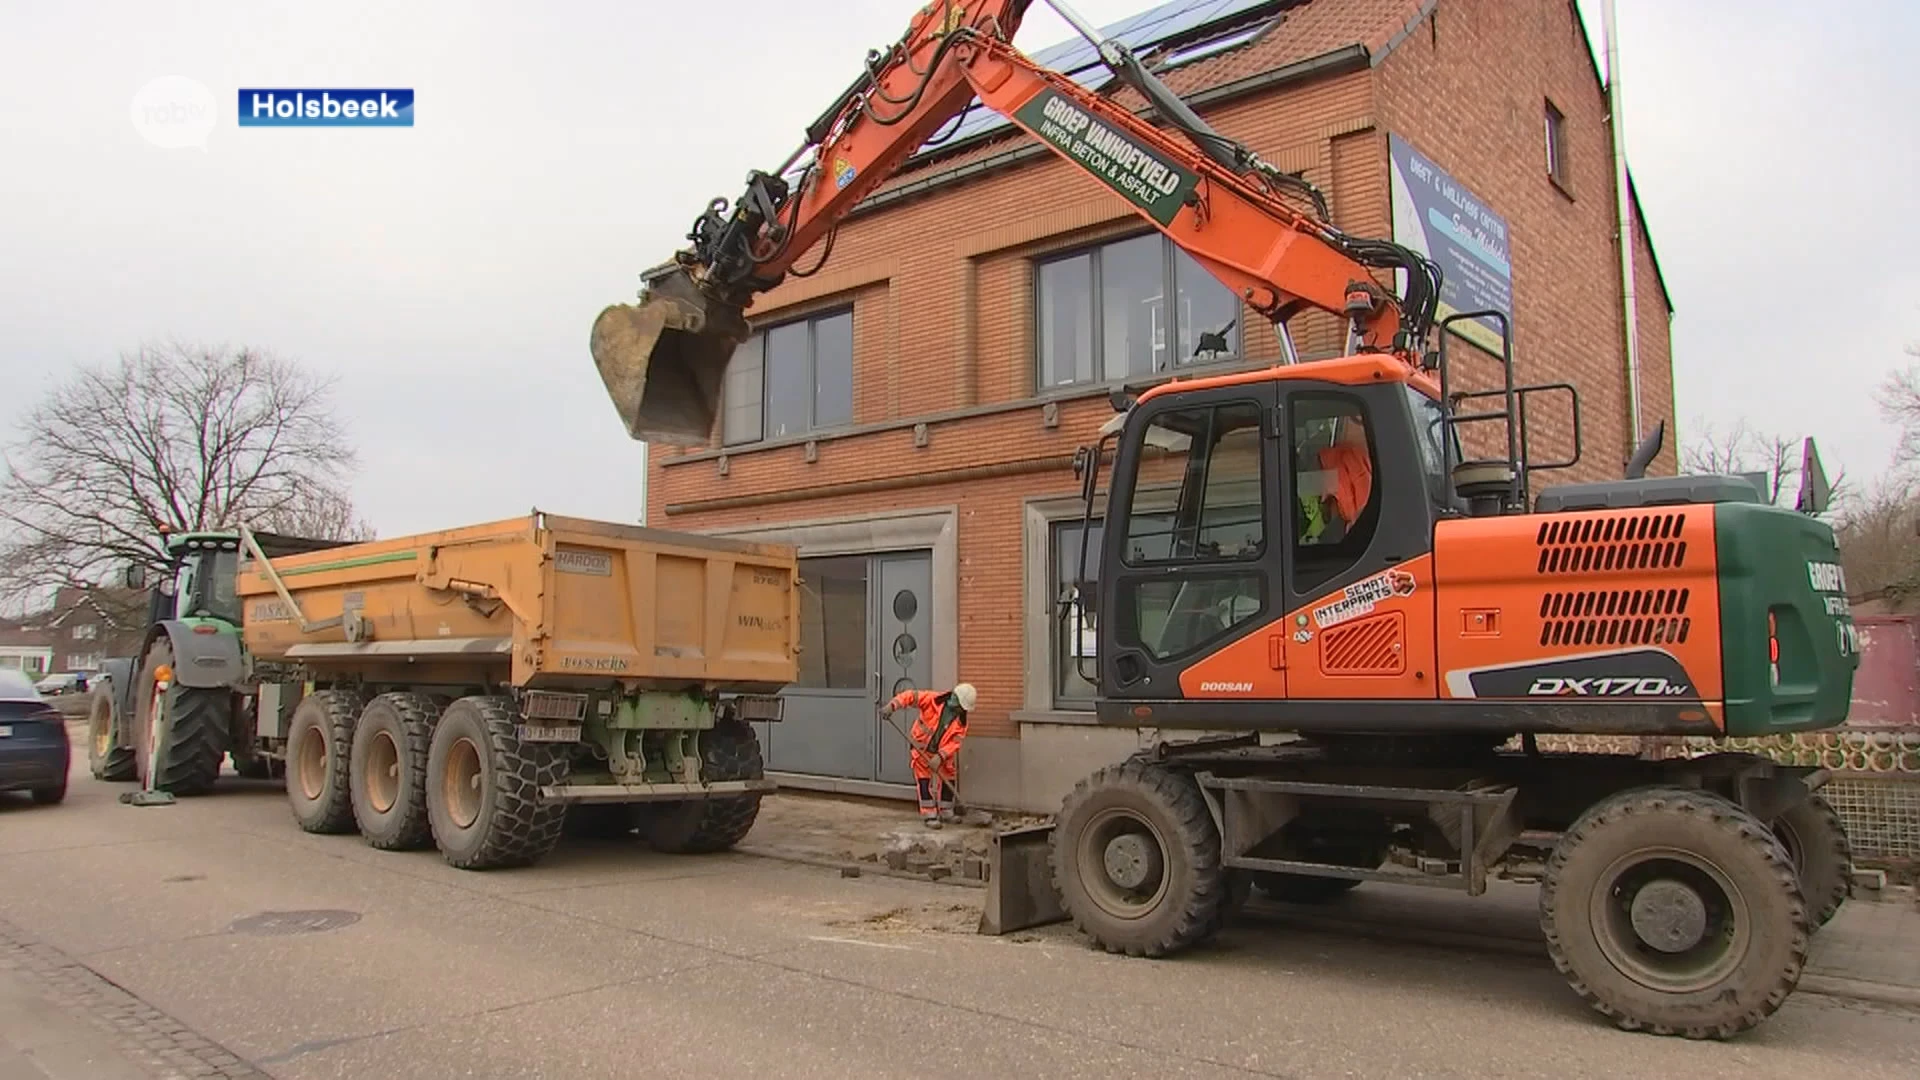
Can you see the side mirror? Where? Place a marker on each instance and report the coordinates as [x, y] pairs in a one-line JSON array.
[[135, 576]]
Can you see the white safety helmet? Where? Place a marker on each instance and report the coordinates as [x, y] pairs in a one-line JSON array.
[[964, 695]]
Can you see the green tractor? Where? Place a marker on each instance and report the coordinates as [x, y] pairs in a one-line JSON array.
[[192, 670]]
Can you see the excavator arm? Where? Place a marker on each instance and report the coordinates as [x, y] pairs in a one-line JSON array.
[[663, 360]]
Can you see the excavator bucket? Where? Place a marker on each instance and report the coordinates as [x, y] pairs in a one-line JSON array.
[[663, 359]]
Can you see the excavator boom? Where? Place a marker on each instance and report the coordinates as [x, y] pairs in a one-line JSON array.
[[663, 360]]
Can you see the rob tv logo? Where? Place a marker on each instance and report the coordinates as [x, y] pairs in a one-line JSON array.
[[325, 108]]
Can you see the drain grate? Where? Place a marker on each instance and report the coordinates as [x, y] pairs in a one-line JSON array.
[[287, 923]]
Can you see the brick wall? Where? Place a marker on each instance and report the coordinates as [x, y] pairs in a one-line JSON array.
[[1469, 87]]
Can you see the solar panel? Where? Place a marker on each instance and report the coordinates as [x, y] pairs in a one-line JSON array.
[[1079, 60]]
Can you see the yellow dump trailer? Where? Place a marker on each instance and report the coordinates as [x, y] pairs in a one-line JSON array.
[[484, 689]]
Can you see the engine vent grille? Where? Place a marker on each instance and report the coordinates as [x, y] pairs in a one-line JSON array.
[[1615, 617], [1367, 647], [1637, 542]]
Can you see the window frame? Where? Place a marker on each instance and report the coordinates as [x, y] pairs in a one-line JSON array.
[[758, 340], [1169, 287], [1556, 146]]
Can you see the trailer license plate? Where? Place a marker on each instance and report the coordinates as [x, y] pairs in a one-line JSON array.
[[5, 730], [549, 732]]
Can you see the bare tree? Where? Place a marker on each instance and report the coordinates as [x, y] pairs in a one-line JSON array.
[[1878, 533], [173, 436], [1745, 449], [1900, 406]]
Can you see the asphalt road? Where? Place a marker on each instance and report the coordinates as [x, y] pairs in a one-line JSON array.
[[614, 961]]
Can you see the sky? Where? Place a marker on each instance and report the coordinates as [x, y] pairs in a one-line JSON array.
[[447, 275]]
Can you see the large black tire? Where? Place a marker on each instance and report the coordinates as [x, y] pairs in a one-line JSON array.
[[1136, 861], [109, 754], [319, 761], [1816, 841], [199, 717], [388, 771], [1618, 882], [483, 788], [728, 751]]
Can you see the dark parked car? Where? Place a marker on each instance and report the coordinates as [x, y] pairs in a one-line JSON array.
[[34, 751]]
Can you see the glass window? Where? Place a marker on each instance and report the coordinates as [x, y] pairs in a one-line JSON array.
[[1066, 321], [1074, 623], [741, 416], [1432, 433], [1102, 315], [833, 623], [1334, 460], [789, 386], [1214, 453], [833, 370], [1133, 308], [1206, 307], [1173, 616], [789, 380]]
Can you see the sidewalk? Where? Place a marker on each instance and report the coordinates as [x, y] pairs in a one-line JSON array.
[[60, 1020], [43, 1041]]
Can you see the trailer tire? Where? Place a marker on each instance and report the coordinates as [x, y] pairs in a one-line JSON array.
[[483, 788], [389, 771], [109, 757], [1128, 827], [1816, 841], [1727, 909], [199, 717], [319, 761], [729, 750]]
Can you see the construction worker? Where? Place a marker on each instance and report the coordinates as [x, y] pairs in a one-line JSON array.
[[933, 746], [1352, 466]]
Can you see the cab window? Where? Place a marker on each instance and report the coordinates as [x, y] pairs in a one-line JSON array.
[[1334, 463]]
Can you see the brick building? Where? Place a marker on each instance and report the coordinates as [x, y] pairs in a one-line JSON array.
[[908, 416]]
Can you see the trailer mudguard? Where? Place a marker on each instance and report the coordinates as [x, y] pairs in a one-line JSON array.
[[203, 660]]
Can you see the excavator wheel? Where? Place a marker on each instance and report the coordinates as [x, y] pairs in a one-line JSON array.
[[1675, 911], [1136, 861], [1816, 840]]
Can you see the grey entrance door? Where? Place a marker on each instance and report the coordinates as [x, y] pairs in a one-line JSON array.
[[865, 628], [903, 613]]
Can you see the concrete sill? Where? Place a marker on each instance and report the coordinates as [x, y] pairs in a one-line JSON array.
[[1073, 717]]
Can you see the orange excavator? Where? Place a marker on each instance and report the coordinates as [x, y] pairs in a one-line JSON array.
[[1303, 558]]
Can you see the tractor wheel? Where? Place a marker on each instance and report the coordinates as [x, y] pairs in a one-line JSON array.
[[388, 771], [483, 787], [1136, 861], [198, 717], [319, 761], [109, 756], [1816, 841], [1675, 911], [728, 751]]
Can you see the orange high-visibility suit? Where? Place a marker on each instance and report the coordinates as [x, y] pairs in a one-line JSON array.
[[933, 747]]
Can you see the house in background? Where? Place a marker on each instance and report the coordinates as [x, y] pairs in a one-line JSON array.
[[77, 633]]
